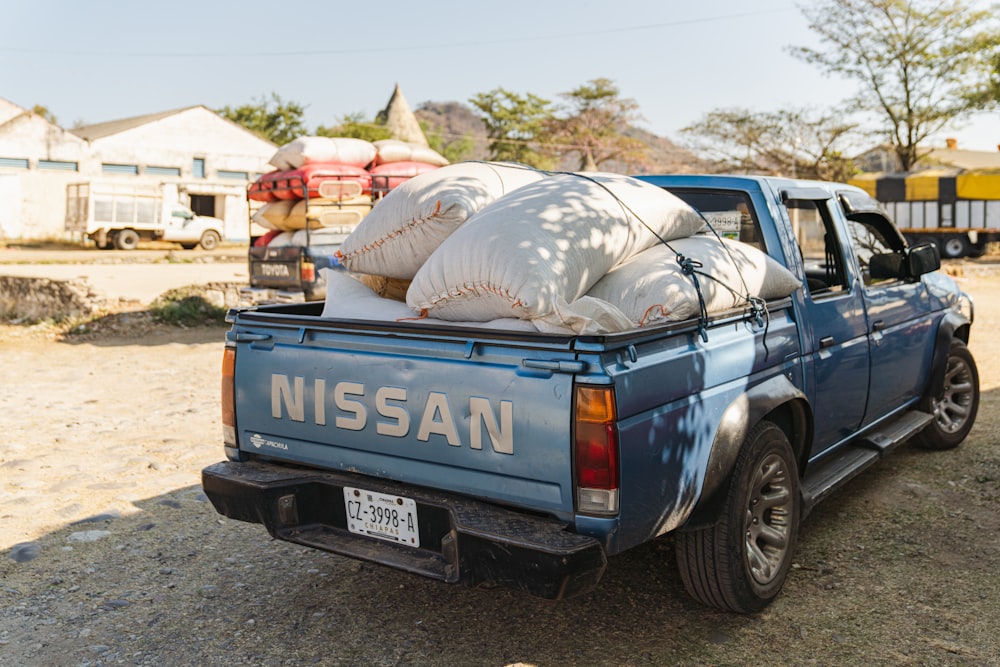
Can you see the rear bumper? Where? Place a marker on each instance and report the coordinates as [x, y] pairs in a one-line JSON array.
[[462, 540]]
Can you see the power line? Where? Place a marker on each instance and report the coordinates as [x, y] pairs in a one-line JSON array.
[[396, 49]]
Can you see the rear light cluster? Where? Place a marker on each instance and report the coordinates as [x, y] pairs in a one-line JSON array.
[[308, 272], [228, 410], [596, 451]]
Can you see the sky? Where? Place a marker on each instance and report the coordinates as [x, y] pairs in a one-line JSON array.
[[101, 60]]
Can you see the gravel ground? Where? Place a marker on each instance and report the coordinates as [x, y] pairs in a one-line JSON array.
[[110, 554]]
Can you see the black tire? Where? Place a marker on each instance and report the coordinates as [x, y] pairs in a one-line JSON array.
[[127, 239], [189, 246], [955, 410], [953, 247], [210, 240], [740, 563]]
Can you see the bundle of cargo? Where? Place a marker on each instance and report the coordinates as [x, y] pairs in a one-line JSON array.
[[412, 220], [290, 215], [398, 161], [580, 253], [320, 182]]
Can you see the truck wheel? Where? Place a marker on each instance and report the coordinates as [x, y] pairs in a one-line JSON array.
[[954, 247], [127, 239], [740, 563], [210, 240], [955, 410]]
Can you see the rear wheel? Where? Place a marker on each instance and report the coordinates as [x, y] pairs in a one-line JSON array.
[[127, 239], [955, 409], [740, 563], [210, 240], [954, 247]]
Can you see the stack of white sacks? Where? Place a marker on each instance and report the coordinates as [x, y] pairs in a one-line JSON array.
[[505, 246]]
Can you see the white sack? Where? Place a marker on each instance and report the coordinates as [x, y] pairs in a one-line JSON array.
[[347, 298], [651, 287], [282, 240], [534, 251], [317, 237], [345, 150], [412, 220], [393, 150]]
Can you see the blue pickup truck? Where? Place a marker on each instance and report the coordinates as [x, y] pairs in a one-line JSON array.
[[474, 455]]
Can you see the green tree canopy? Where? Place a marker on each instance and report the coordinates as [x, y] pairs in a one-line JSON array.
[[516, 126], [273, 119], [918, 63], [594, 123], [799, 143], [354, 125], [454, 150]]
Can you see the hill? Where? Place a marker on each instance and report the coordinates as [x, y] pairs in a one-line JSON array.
[[454, 120]]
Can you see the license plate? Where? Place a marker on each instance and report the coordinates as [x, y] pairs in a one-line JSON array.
[[384, 517]]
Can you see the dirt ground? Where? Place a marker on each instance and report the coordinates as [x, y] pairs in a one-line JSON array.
[[110, 554]]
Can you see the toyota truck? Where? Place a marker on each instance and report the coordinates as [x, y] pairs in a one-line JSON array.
[[474, 455]]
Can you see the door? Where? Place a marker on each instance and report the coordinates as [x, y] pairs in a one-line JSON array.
[[836, 335], [900, 323]]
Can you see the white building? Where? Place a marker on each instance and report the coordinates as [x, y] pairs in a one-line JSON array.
[[210, 159]]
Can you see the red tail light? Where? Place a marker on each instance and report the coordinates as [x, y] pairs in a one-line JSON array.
[[228, 409], [596, 450], [308, 272]]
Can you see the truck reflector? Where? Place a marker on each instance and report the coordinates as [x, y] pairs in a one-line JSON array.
[[596, 450]]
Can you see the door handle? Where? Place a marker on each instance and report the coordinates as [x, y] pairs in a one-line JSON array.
[[878, 326], [826, 341]]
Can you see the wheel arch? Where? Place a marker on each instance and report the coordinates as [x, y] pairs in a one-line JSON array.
[[776, 400], [953, 325]]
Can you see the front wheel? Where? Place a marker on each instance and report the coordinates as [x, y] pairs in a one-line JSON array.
[[955, 409], [740, 563]]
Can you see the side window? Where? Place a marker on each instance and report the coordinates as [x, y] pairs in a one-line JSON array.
[[821, 254], [878, 248], [729, 213]]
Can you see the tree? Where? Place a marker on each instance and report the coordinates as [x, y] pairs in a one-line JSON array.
[[515, 125], [354, 125], [454, 150], [594, 126], [988, 95], [917, 62], [272, 119], [43, 111], [799, 143]]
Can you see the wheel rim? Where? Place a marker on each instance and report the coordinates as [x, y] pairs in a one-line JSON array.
[[951, 411], [954, 247], [769, 519]]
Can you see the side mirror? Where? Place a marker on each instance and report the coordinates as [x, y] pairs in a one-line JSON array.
[[922, 259], [886, 266]]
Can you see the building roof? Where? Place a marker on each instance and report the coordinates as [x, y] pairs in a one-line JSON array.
[[882, 159], [963, 159], [99, 130]]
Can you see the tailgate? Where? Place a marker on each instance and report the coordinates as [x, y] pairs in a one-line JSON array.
[[451, 412], [278, 267]]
